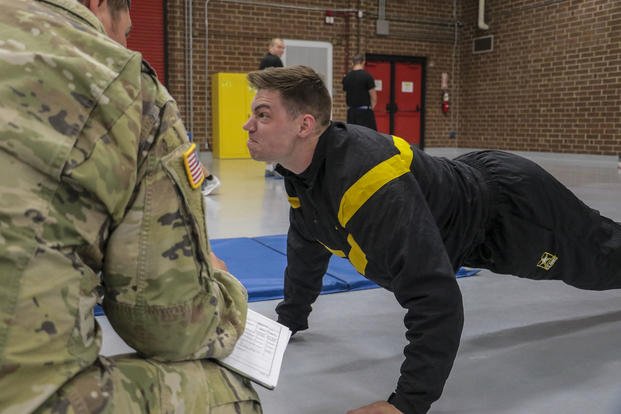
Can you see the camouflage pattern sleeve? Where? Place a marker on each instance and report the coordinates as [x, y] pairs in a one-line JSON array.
[[162, 295]]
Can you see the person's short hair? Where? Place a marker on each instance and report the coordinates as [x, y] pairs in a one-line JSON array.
[[302, 90], [275, 40], [358, 59]]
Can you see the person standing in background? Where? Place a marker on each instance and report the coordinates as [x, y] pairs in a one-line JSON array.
[[272, 60], [360, 94], [273, 55]]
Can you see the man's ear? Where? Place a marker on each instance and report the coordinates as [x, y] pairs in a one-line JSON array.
[[307, 126], [96, 6]]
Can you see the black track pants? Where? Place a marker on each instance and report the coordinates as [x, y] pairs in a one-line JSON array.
[[364, 117], [538, 229]]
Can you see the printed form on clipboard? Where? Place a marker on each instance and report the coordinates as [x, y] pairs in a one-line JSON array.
[[259, 352]]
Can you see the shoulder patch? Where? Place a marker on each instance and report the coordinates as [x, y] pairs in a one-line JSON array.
[[193, 167]]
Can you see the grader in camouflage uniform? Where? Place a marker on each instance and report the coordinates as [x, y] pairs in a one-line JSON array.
[[96, 192]]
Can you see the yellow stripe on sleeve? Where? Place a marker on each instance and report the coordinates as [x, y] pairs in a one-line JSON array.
[[374, 179], [294, 201], [339, 253], [356, 256]]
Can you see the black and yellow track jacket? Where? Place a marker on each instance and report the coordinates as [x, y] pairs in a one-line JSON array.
[[388, 208]]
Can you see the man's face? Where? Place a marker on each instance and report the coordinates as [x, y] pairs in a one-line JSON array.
[[271, 129], [117, 24], [278, 48]]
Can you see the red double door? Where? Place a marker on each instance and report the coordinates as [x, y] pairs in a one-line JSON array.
[[400, 90], [148, 34]]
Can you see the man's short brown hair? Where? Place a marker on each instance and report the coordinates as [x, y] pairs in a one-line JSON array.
[[119, 4], [302, 90]]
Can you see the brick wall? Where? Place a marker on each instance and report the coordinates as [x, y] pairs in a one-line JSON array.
[[551, 84], [553, 81], [178, 83]]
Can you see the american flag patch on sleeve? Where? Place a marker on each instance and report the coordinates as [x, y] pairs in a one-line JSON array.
[[193, 167]]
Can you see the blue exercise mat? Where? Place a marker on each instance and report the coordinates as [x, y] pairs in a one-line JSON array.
[[338, 268], [259, 264], [261, 268], [466, 271], [341, 268]]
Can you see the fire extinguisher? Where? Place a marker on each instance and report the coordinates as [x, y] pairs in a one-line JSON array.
[[445, 102]]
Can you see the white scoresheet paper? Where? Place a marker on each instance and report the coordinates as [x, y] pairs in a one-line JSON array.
[[259, 352]]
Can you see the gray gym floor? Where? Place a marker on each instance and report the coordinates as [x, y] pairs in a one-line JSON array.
[[527, 347]]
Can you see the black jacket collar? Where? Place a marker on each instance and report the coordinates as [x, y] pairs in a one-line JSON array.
[[308, 176]]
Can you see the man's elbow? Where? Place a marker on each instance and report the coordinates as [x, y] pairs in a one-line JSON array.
[[176, 333]]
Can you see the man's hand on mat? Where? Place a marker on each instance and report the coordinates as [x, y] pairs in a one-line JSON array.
[[378, 407], [218, 263]]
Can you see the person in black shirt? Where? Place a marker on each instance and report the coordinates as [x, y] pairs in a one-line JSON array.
[[408, 221], [360, 94], [272, 57]]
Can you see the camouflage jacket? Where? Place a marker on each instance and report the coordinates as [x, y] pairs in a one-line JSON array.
[[94, 192]]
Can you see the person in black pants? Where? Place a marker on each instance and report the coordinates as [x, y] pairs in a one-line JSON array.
[[408, 221], [360, 94]]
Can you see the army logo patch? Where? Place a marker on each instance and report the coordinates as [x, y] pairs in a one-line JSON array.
[[547, 261], [193, 167]]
